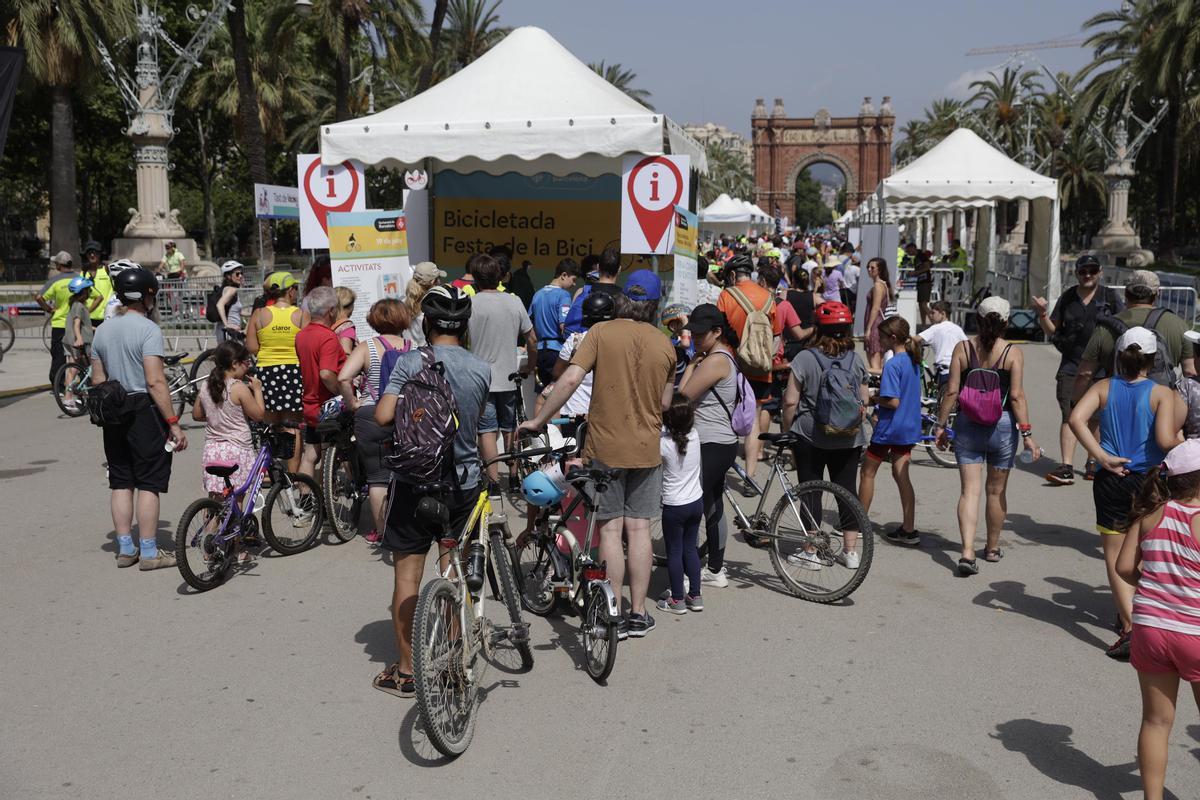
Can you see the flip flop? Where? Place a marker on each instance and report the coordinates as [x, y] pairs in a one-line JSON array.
[[967, 566], [993, 555], [395, 682]]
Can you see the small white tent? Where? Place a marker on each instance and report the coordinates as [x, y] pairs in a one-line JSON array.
[[727, 215]]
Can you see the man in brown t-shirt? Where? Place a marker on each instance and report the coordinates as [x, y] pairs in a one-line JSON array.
[[633, 370]]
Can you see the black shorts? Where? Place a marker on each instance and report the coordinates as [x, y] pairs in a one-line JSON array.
[[545, 367], [405, 534], [373, 442], [311, 435], [1113, 495], [762, 391], [924, 292], [136, 449]]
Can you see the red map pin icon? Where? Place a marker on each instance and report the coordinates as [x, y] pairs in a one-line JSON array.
[[654, 221], [317, 205]]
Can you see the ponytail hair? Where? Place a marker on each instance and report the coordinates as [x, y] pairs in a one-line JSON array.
[[1159, 487], [224, 357], [897, 328], [991, 327], [678, 420]]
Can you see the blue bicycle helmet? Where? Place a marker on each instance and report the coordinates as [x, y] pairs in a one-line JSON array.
[[541, 490], [78, 284]]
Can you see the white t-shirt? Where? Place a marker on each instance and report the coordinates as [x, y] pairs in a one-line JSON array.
[[581, 401], [680, 476], [851, 271], [943, 337]]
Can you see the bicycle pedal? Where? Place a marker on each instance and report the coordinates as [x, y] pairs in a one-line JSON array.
[[519, 633]]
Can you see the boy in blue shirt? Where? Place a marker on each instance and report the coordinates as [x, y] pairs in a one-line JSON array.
[[898, 427], [548, 312]]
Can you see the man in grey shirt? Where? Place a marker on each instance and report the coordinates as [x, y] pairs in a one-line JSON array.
[[498, 321]]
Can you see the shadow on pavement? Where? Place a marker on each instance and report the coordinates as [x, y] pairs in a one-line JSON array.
[[414, 744], [942, 551], [1066, 610], [1051, 752], [165, 535], [1086, 542], [378, 640]]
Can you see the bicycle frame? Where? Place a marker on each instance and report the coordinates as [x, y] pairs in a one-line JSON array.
[[581, 556], [803, 514], [470, 608], [248, 491]]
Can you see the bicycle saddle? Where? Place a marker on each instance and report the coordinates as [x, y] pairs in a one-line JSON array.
[[222, 469], [586, 474], [175, 359], [780, 439]]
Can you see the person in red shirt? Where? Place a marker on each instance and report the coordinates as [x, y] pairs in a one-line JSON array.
[[321, 358], [743, 269]]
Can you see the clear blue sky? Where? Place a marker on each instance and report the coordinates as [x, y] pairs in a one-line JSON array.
[[706, 61]]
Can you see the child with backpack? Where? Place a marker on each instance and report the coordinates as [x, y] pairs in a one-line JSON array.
[[683, 505], [897, 427], [986, 384], [1139, 421], [1161, 558], [824, 404]]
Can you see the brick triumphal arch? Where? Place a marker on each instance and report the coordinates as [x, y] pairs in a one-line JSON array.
[[860, 146]]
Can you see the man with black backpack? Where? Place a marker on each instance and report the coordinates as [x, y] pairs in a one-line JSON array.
[[438, 442]]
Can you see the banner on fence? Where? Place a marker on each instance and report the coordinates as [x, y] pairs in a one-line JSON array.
[[276, 202]]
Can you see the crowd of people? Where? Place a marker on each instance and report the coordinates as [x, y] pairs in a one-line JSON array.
[[673, 397]]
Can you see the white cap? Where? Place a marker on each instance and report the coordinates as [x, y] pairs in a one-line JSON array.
[[995, 305], [1144, 338]]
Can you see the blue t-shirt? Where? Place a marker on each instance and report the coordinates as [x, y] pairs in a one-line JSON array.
[[470, 379], [548, 312], [900, 425]]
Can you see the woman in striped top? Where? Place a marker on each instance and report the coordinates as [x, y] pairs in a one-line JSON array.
[[1163, 562]]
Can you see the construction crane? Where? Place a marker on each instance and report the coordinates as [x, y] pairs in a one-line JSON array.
[[1048, 44]]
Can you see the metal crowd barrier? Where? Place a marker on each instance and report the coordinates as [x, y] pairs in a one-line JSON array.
[[1181, 300]]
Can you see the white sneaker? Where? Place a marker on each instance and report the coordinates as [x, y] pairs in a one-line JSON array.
[[849, 560], [687, 587], [805, 560], [718, 580]]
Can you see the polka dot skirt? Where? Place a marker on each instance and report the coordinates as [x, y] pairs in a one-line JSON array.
[[282, 388]]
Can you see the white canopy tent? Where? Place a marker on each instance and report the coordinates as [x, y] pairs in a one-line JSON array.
[[964, 171], [527, 106], [729, 216]]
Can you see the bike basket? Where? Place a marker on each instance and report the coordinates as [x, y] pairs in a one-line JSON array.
[[283, 444]]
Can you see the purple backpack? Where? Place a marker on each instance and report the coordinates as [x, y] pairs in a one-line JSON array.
[[741, 418], [980, 398]]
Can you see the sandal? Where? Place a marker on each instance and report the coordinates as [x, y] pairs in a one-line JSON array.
[[967, 566], [993, 554], [393, 681]]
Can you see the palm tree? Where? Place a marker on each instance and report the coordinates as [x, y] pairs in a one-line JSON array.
[[59, 41], [472, 28], [1079, 163], [913, 142], [728, 172], [623, 79], [1003, 98], [425, 79]]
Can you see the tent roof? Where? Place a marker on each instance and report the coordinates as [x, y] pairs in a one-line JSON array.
[[964, 167], [724, 209], [526, 98]]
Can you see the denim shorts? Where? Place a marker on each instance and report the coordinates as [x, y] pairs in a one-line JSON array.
[[499, 412], [976, 444]]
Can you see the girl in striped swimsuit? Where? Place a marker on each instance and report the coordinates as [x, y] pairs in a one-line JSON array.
[[1163, 561]]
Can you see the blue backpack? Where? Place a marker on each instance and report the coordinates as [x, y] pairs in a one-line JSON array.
[[838, 409]]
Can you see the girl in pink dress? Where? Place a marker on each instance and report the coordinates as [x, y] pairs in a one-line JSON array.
[[224, 403]]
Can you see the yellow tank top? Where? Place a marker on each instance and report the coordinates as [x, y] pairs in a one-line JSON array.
[[277, 339]]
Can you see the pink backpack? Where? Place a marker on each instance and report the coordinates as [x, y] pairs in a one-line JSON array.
[[980, 398], [741, 418]]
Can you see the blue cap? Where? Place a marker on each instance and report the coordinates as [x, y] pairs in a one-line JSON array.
[[643, 285]]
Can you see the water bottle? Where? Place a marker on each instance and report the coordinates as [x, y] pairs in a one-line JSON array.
[[1029, 455], [475, 567], [170, 446]]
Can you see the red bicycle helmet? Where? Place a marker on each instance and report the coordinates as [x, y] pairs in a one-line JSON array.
[[833, 313]]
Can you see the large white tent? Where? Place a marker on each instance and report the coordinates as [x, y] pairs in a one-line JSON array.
[[527, 105], [964, 171], [730, 216]]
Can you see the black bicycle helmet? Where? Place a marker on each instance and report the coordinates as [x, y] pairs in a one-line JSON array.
[[1087, 260], [598, 307], [448, 307], [135, 285], [740, 263]]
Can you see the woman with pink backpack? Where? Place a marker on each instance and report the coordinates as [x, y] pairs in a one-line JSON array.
[[986, 383]]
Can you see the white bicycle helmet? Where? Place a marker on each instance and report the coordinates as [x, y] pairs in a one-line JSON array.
[[120, 265], [231, 265]]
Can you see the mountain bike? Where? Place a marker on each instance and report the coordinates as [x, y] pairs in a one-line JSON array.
[[453, 638], [211, 531], [343, 483], [807, 536]]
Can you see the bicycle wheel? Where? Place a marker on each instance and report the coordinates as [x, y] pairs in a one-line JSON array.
[[343, 501], [808, 526], [46, 334], [293, 513], [181, 391], [8, 336], [201, 366], [202, 561], [534, 572], [943, 458], [446, 699], [62, 386], [519, 632], [599, 635]]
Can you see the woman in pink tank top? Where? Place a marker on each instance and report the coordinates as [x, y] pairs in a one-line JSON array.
[[1163, 562]]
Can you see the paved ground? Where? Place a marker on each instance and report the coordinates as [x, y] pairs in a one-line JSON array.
[[925, 685]]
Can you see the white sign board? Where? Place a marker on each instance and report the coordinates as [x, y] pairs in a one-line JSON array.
[[369, 253], [324, 189], [276, 202], [651, 187]]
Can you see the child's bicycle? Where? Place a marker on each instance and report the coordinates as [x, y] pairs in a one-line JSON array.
[[71, 386], [211, 531]]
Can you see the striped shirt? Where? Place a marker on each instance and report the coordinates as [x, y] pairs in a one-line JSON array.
[[1168, 592]]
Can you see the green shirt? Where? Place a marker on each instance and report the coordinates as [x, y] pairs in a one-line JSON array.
[[56, 294], [102, 286], [1170, 328], [173, 262]]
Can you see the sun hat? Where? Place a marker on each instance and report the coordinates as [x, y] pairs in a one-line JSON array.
[[1144, 338], [1143, 277], [811, 251], [831, 261], [1183, 458], [427, 272], [643, 285], [995, 305]]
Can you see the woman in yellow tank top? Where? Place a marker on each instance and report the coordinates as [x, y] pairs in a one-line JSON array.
[[271, 334]]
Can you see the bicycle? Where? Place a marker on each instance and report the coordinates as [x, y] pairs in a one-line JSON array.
[[800, 524], [453, 639], [345, 493], [202, 366], [8, 335], [73, 379], [210, 531]]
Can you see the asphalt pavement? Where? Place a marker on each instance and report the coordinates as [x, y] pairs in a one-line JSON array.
[[124, 684]]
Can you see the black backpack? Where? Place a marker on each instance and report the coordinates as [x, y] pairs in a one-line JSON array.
[[210, 305], [1164, 370]]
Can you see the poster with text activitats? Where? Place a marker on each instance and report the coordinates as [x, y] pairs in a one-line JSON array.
[[542, 218], [369, 255], [685, 290]]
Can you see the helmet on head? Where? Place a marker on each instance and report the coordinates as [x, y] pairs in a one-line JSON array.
[[447, 306], [740, 263], [598, 307], [230, 266], [92, 247], [135, 285], [545, 487], [120, 265], [833, 313], [78, 284], [282, 279]]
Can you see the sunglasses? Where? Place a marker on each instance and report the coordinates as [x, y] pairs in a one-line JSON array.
[[1088, 271]]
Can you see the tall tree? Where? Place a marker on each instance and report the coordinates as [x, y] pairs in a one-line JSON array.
[[59, 41], [250, 129], [435, 44], [472, 28], [728, 173], [810, 211], [1003, 98], [623, 79]]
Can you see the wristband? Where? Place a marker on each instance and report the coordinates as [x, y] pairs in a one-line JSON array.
[[172, 420], [1025, 427], [1026, 434]]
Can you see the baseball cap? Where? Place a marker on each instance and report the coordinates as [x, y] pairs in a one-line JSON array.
[[1087, 260], [92, 245], [427, 272], [280, 280], [643, 285], [704, 318], [62, 258], [1143, 277], [995, 305], [1184, 458], [1144, 338]]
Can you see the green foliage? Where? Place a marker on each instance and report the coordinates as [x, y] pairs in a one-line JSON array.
[[810, 211], [623, 79], [728, 173]]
